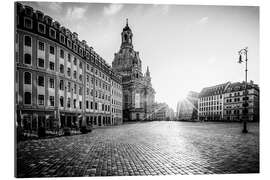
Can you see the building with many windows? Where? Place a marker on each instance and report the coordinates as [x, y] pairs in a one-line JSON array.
[[234, 98], [211, 102], [60, 80], [187, 108], [138, 94], [224, 102]]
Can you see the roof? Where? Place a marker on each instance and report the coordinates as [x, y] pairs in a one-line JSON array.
[[240, 86], [214, 90]]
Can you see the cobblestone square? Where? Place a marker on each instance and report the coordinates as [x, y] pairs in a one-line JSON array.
[[149, 148]]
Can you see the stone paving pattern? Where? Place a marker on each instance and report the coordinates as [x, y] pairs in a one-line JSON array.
[[149, 148]]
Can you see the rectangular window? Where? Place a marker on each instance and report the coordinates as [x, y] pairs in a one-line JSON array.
[[69, 86], [27, 41], [41, 99], [75, 89], [69, 58], [41, 46], [62, 54], [68, 102], [68, 71], [51, 99], [51, 49], [75, 61], [74, 103], [61, 85], [27, 59], [51, 83], [75, 74], [91, 105], [80, 90], [62, 68], [51, 65], [80, 65], [41, 81], [27, 98], [87, 104]]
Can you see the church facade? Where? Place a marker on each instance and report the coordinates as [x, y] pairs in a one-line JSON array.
[[138, 93]]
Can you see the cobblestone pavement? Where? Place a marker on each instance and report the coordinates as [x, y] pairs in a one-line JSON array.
[[151, 148]]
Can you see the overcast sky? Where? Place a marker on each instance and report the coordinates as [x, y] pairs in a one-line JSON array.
[[186, 47]]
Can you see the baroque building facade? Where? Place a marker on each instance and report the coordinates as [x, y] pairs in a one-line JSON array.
[[60, 81], [138, 93]]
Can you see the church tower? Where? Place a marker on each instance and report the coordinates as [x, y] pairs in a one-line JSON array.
[[138, 94], [126, 37]]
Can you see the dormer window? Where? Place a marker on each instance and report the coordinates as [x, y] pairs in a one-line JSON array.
[[52, 33], [68, 43], [28, 23], [81, 51], [75, 48], [62, 38], [41, 28]]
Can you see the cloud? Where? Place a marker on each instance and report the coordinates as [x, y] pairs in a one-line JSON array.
[[53, 6], [203, 20], [75, 13], [112, 9]]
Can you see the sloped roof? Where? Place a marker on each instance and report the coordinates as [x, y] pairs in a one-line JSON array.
[[214, 90]]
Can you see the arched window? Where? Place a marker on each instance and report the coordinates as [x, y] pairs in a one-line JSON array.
[[27, 58], [27, 98], [62, 101], [27, 41], [27, 78]]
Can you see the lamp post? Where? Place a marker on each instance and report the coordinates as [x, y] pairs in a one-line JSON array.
[[244, 52]]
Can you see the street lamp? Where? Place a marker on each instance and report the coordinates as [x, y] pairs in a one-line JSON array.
[[243, 52]]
